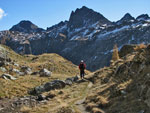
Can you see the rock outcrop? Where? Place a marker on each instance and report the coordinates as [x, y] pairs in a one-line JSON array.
[[127, 79], [56, 84], [8, 77], [44, 73]]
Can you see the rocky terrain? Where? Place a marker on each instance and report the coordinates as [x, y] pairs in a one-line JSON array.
[[87, 35], [46, 84]]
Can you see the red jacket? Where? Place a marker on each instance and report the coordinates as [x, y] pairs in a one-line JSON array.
[[82, 66]]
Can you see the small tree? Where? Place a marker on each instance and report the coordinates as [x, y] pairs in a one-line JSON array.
[[115, 55]]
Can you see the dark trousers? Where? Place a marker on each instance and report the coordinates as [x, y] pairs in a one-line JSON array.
[[82, 73]]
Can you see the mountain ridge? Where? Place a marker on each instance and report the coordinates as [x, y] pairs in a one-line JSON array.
[[92, 42], [86, 8]]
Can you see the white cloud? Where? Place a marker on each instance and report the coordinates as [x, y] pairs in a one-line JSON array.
[[2, 13]]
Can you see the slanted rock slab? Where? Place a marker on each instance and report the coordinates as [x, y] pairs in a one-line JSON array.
[[8, 77]]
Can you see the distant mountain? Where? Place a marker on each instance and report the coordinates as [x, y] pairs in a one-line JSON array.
[[126, 18], [84, 17], [87, 35], [143, 17], [26, 27]]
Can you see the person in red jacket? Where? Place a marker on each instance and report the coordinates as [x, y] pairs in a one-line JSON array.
[[82, 67]]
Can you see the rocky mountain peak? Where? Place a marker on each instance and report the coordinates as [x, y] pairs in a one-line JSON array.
[[84, 17], [126, 18], [26, 26], [143, 17]]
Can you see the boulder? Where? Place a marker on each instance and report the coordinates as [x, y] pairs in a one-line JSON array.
[[70, 81], [44, 73], [35, 73], [15, 64], [8, 77], [26, 70], [37, 90], [41, 97], [2, 63], [21, 73], [18, 72], [3, 69], [56, 84]]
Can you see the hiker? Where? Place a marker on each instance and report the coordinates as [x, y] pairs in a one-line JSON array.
[[82, 66]]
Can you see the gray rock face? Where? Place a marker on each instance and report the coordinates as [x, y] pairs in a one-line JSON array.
[[143, 17], [44, 73], [127, 18], [84, 17]]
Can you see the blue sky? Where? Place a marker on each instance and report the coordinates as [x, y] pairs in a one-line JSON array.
[[46, 13]]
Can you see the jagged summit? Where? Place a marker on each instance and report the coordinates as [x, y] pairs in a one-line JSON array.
[[126, 18], [143, 17], [86, 35], [84, 17], [26, 26]]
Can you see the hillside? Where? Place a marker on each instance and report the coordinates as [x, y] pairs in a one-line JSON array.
[[86, 35], [26, 71], [121, 88]]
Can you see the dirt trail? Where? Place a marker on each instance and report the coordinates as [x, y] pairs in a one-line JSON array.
[[79, 103]]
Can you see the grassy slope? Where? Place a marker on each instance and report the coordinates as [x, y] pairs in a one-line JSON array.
[[121, 88], [60, 67]]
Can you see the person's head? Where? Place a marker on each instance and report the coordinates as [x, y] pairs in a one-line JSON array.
[[82, 61]]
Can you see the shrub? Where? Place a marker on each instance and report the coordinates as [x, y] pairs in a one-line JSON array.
[[115, 55]]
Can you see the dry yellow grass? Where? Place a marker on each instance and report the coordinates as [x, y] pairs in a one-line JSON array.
[[90, 106], [140, 46], [60, 68], [97, 110], [54, 63], [25, 109], [19, 87]]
